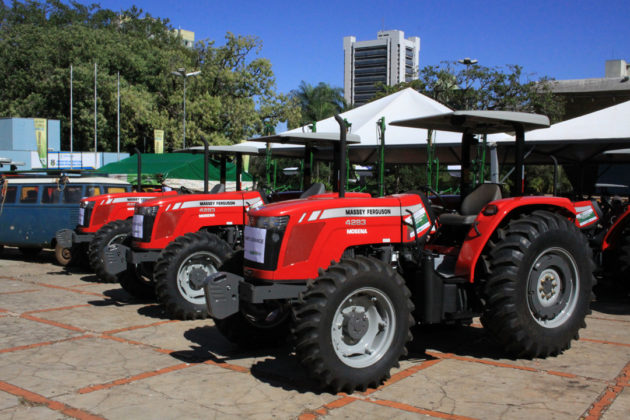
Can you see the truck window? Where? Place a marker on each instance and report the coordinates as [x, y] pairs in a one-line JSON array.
[[72, 194], [50, 195], [10, 196], [115, 190], [93, 190], [29, 194]]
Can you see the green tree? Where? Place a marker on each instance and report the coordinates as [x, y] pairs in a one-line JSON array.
[[486, 88], [318, 102], [232, 99]]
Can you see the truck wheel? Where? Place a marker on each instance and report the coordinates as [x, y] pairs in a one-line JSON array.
[[137, 283], [352, 324], [538, 286], [115, 232], [192, 256], [63, 255]]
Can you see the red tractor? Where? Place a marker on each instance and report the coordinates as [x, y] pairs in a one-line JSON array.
[[103, 220], [344, 275], [178, 240]]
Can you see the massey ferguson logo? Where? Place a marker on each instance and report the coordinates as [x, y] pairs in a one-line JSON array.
[[368, 212], [217, 203]]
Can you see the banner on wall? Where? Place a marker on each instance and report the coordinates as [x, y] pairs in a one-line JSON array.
[[158, 146], [41, 136]]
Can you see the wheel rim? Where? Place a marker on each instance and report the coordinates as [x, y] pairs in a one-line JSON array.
[[196, 266], [363, 327], [66, 254], [553, 287]]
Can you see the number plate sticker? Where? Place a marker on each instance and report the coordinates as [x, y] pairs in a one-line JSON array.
[[81, 215], [255, 244], [136, 226]]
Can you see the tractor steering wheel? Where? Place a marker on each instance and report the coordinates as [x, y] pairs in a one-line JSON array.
[[428, 189]]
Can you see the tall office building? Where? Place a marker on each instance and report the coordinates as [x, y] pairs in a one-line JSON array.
[[390, 59]]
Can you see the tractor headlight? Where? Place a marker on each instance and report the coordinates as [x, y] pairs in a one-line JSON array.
[[269, 223], [87, 204]]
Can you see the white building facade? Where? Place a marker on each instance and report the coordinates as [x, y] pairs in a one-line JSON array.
[[389, 59]]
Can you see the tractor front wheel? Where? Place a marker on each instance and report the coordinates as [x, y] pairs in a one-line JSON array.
[[352, 324], [63, 255], [137, 281], [539, 284], [189, 257], [116, 232]]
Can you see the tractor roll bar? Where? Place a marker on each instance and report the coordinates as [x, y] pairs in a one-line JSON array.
[[342, 155], [206, 158]]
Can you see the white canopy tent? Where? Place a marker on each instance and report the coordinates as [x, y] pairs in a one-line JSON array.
[[586, 139], [403, 145]]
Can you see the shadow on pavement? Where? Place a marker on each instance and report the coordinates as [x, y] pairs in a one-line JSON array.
[[277, 366]]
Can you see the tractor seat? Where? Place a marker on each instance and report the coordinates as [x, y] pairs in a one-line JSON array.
[[472, 205], [218, 188], [315, 189]]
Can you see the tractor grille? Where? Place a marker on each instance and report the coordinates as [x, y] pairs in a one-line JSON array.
[[87, 216]]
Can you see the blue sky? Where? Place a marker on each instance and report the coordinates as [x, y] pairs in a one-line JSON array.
[[304, 40]]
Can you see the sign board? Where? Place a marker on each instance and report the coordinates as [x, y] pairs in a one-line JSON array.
[[41, 137], [158, 136]]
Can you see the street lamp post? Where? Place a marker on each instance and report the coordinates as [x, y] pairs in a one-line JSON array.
[[181, 72], [467, 62]]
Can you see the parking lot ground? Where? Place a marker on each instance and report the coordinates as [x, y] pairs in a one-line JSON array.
[[73, 347]]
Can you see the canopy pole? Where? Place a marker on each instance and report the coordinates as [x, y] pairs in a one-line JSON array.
[[223, 169], [206, 161], [307, 171], [467, 141], [519, 175]]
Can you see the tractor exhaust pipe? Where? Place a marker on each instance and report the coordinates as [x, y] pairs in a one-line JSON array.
[[139, 168], [342, 155], [206, 158]]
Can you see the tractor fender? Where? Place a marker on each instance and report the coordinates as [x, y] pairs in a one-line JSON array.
[[494, 214], [612, 236]]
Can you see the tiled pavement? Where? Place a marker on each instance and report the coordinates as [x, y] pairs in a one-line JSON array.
[[73, 347]]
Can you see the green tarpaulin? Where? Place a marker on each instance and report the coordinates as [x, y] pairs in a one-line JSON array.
[[157, 168]]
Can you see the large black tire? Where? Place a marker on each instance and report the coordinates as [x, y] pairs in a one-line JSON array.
[[137, 282], [539, 284], [352, 324], [192, 256], [116, 232]]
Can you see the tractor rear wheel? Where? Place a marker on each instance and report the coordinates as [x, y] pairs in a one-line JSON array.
[[116, 232], [192, 256], [352, 324], [539, 284]]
